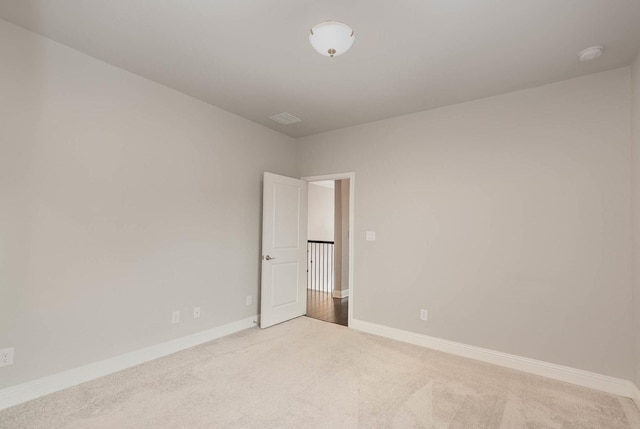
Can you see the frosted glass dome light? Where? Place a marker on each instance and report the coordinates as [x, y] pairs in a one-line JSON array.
[[331, 38]]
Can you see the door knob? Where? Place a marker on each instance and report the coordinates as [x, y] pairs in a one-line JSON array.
[[268, 258]]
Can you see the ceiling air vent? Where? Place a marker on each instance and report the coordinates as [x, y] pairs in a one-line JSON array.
[[285, 118]]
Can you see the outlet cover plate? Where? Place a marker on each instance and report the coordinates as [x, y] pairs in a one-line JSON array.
[[6, 357]]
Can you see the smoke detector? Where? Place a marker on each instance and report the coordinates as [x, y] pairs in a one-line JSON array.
[[590, 53], [285, 118]]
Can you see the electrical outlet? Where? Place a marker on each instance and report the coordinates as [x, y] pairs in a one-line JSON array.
[[6, 357], [249, 300], [175, 317], [196, 312], [424, 315]]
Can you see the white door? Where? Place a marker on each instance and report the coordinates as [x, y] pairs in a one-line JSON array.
[[284, 249]]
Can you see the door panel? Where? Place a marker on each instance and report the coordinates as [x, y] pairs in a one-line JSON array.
[[286, 275], [284, 232], [286, 216]]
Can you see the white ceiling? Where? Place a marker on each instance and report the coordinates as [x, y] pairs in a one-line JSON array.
[[253, 57]]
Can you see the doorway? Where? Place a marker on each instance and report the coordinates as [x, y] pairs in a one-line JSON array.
[[329, 250]]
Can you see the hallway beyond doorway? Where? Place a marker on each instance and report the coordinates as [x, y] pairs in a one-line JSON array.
[[322, 306]]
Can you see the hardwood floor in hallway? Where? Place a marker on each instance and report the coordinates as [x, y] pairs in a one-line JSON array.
[[322, 306]]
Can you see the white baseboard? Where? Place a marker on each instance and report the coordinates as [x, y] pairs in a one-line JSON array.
[[636, 395], [15, 395], [580, 377], [340, 293]]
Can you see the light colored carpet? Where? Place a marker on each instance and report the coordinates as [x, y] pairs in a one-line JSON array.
[[310, 374]]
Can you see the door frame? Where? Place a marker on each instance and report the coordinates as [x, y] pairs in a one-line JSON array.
[[341, 176]]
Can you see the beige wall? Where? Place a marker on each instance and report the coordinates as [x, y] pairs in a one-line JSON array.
[[320, 213], [120, 201], [636, 212], [341, 239], [508, 218], [338, 254]]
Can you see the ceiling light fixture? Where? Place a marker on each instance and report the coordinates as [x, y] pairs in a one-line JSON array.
[[590, 53], [331, 38]]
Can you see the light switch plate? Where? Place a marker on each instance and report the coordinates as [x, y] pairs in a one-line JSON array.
[[371, 236]]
